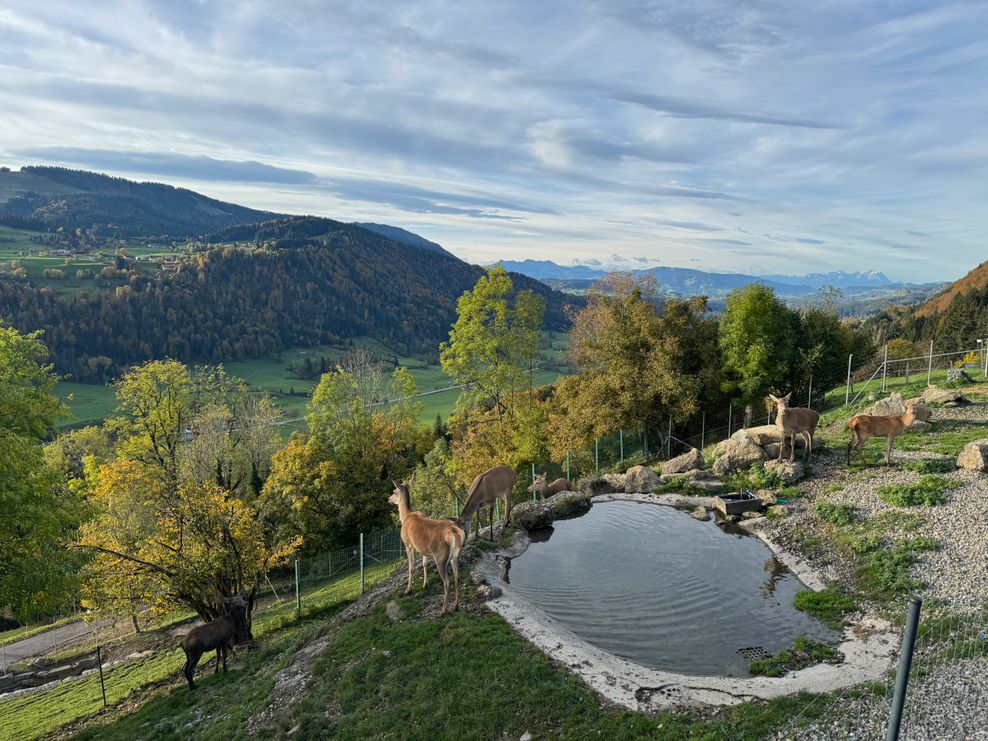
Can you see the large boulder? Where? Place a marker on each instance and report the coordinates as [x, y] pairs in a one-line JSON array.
[[533, 515], [974, 456], [710, 486], [616, 480], [689, 461], [788, 472], [895, 406], [741, 451], [569, 504], [934, 395], [602, 485], [762, 435], [640, 480]]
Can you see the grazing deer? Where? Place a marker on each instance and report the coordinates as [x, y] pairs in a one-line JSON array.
[[864, 426], [493, 484], [440, 539], [545, 490], [216, 634], [793, 421]]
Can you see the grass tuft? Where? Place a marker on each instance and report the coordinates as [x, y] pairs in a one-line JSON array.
[[929, 491], [836, 514], [804, 652], [830, 606]]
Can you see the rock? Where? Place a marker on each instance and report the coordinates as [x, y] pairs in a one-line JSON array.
[[700, 513], [616, 480], [695, 474], [934, 395], [762, 435], [526, 736], [693, 459], [568, 504], [974, 456], [739, 452], [710, 486], [767, 496], [393, 611], [772, 450], [779, 510], [602, 485], [641, 480], [894, 406], [750, 515], [534, 515], [789, 472], [486, 592], [921, 426], [955, 375]]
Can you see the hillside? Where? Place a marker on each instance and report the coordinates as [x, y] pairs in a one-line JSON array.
[[405, 237], [49, 198], [976, 279]]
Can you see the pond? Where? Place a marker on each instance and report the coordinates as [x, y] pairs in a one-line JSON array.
[[653, 585]]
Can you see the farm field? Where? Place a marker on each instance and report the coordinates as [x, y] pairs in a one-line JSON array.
[[91, 403]]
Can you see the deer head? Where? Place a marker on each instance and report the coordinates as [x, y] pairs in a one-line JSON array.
[[539, 484], [780, 402]]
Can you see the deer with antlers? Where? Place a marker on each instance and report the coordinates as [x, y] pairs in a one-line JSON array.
[[864, 426], [493, 484], [793, 421], [440, 540]]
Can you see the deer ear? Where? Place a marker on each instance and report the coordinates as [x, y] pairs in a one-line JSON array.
[[786, 397], [411, 480], [773, 397], [395, 483], [544, 474]]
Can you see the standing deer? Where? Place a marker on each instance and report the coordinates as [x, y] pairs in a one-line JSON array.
[[217, 634], [793, 421], [864, 426], [493, 484], [439, 539], [545, 490]]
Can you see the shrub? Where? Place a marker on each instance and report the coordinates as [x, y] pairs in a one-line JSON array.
[[829, 606], [930, 465], [836, 514], [682, 486], [756, 477], [804, 652], [928, 491]]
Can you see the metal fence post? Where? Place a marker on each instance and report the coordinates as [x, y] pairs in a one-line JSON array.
[[567, 468], [905, 663], [929, 367], [885, 366], [645, 444], [669, 441], [809, 394], [3, 658], [730, 418], [596, 456], [99, 663], [703, 430], [847, 391], [621, 443], [361, 563], [298, 593]]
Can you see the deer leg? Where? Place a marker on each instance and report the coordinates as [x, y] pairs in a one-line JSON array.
[[226, 652], [219, 651], [507, 509], [410, 555], [456, 581], [792, 447], [425, 571], [190, 668], [888, 451], [441, 568], [808, 437]]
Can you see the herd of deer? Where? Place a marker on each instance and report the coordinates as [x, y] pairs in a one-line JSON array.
[[441, 540]]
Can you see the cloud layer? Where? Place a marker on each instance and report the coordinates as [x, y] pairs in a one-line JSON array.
[[764, 137]]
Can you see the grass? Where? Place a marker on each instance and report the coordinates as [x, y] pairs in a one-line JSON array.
[[830, 606], [756, 477], [930, 465], [945, 437], [836, 514], [929, 491], [804, 652]]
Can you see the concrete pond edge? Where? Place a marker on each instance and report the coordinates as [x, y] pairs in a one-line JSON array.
[[870, 645]]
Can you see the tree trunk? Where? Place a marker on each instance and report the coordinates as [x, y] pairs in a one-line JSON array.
[[136, 624]]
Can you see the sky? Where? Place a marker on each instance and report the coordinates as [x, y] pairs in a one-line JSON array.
[[756, 137]]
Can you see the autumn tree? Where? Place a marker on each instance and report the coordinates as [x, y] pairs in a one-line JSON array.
[[37, 573]]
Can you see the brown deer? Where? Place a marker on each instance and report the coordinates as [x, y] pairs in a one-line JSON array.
[[864, 426], [793, 421], [439, 539], [545, 490], [217, 634], [493, 484]]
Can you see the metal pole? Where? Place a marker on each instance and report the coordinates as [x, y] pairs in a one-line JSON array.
[[621, 443], [99, 663], [645, 443], [298, 593], [885, 366], [905, 662], [669, 440], [534, 494], [567, 467], [730, 418], [847, 390], [929, 368], [3, 658], [986, 357], [361, 563], [809, 394], [703, 429], [596, 456]]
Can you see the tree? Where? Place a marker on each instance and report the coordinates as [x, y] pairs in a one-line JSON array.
[[37, 573], [758, 342], [495, 343]]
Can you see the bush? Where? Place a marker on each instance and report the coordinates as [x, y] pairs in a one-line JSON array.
[[829, 606], [756, 477], [929, 491], [682, 486], [804, 652], [930, 465], [836, 514]]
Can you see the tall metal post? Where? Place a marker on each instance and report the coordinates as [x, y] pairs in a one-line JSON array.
[[596, 456], [703, 429], [567, 467], [847, 390], [298, 592], [669, 440], [885, 366], [645, 443], [905, 663], [99, 663], [534, 494], [361, 563], [929, 367], [730, 418], [986, 357], [809, 394], [621, 443]]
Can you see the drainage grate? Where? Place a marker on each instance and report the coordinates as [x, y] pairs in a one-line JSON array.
[[751, 653]]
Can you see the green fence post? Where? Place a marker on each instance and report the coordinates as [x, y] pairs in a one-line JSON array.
[[298, 593], [361, 563], [621, 441], [645, 445], [567, 466], [596, 456], [534, 494]]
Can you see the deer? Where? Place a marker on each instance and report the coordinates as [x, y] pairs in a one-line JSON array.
[[217, 634], [440, 540], [864, 426], [793, 421], [545, 490], [493, 484]]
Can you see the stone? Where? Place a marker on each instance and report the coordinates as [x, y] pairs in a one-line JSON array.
[[956, 375], [762, 434], [568, 504], [779, 510], [767, 496], [789, 471], [616, 480], [921, 426], [974, 456], [526, 736], [602, 485], [692, 475], [689, 461], [710, 486], [895, 406], [700, 513], [739, 452], [535, 515], [750, 515], [486, 592], [641, 480], [934, 395], [393, 611]]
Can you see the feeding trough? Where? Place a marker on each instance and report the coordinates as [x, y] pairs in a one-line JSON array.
[[736, 504]]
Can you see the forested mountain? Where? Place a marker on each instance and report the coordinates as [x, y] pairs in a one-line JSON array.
[[315, 281], [48, 198], [405, 237]]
